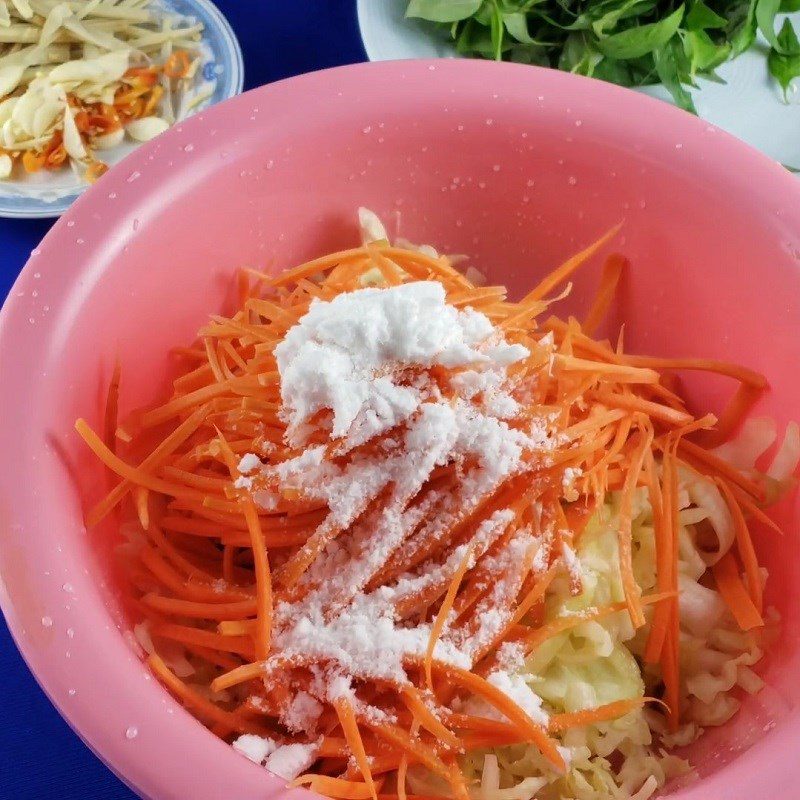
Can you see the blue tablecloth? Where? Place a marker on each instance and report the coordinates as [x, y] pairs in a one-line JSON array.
[[40, 757]]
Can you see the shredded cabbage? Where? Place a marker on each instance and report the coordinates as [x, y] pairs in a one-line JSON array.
[[598, 662]]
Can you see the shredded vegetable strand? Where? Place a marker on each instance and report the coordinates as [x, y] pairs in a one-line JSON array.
[[222, 495]]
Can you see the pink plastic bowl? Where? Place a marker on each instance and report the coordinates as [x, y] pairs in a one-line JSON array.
[[517, 166]]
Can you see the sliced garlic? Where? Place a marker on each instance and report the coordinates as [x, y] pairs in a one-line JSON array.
[[10, 76], [102, 70], [147, 128], [6, 165], [45, 116], [6, 108], [73, 143], [108, 140], [52, 25], [24, 8], [24, 111]]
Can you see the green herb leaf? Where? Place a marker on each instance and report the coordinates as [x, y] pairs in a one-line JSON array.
[[701, 17], [629, 42], [443, 10], [784, 65], [766, 11], [704, 54], [668, 59], [742, 27], [498, 30], [638, 41], [517, 25]]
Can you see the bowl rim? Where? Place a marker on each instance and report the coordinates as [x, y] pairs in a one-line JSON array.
[[21, 207], [219, 765]]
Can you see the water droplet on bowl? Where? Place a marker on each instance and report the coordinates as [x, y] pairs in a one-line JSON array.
[[67, 587], [70, 223], [136, 223], [132, 732], [572, 180], [367, 129], [134, 176], [188, 148], [71, 692], [496, 168], [47, 622]]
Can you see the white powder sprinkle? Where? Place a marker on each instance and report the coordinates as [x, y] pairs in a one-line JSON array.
[[248, 463], [341, 354], [365, 360], [289, 760], [302, 712], [514, 686], [571, 561], [256, 748]]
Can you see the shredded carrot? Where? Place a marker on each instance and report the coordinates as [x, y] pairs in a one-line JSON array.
[[426, 718], [518, 717], [110, 420], [347, 719], [745, 548], [612, 272], [263, 582], [337, 787], [745, 397], [441, 616], [734, 593], [624, 534], [559, 275], [213, 569], [591, 716]]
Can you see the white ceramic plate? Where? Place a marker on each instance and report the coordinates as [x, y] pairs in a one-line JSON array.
[[750, 105], [50, 193]]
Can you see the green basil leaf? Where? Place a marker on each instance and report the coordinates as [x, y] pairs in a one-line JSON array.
[[789, 6], [787, 39], [704, 54], [637, 41], [667, 64], [741, 30], [443, 10], [766, 11], [784, 65], [517, 25], [497, 29], [579, 55], [701, 17]]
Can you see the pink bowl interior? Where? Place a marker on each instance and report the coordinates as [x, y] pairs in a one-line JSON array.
[[516, 166]]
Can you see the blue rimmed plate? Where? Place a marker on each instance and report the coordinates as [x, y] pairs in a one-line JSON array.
[[49, 194]]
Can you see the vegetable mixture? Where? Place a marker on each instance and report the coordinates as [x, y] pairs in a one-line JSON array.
[[393, 535], [77, 77], [628, 42]]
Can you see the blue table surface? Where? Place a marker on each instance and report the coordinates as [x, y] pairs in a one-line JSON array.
[[40, 757]]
